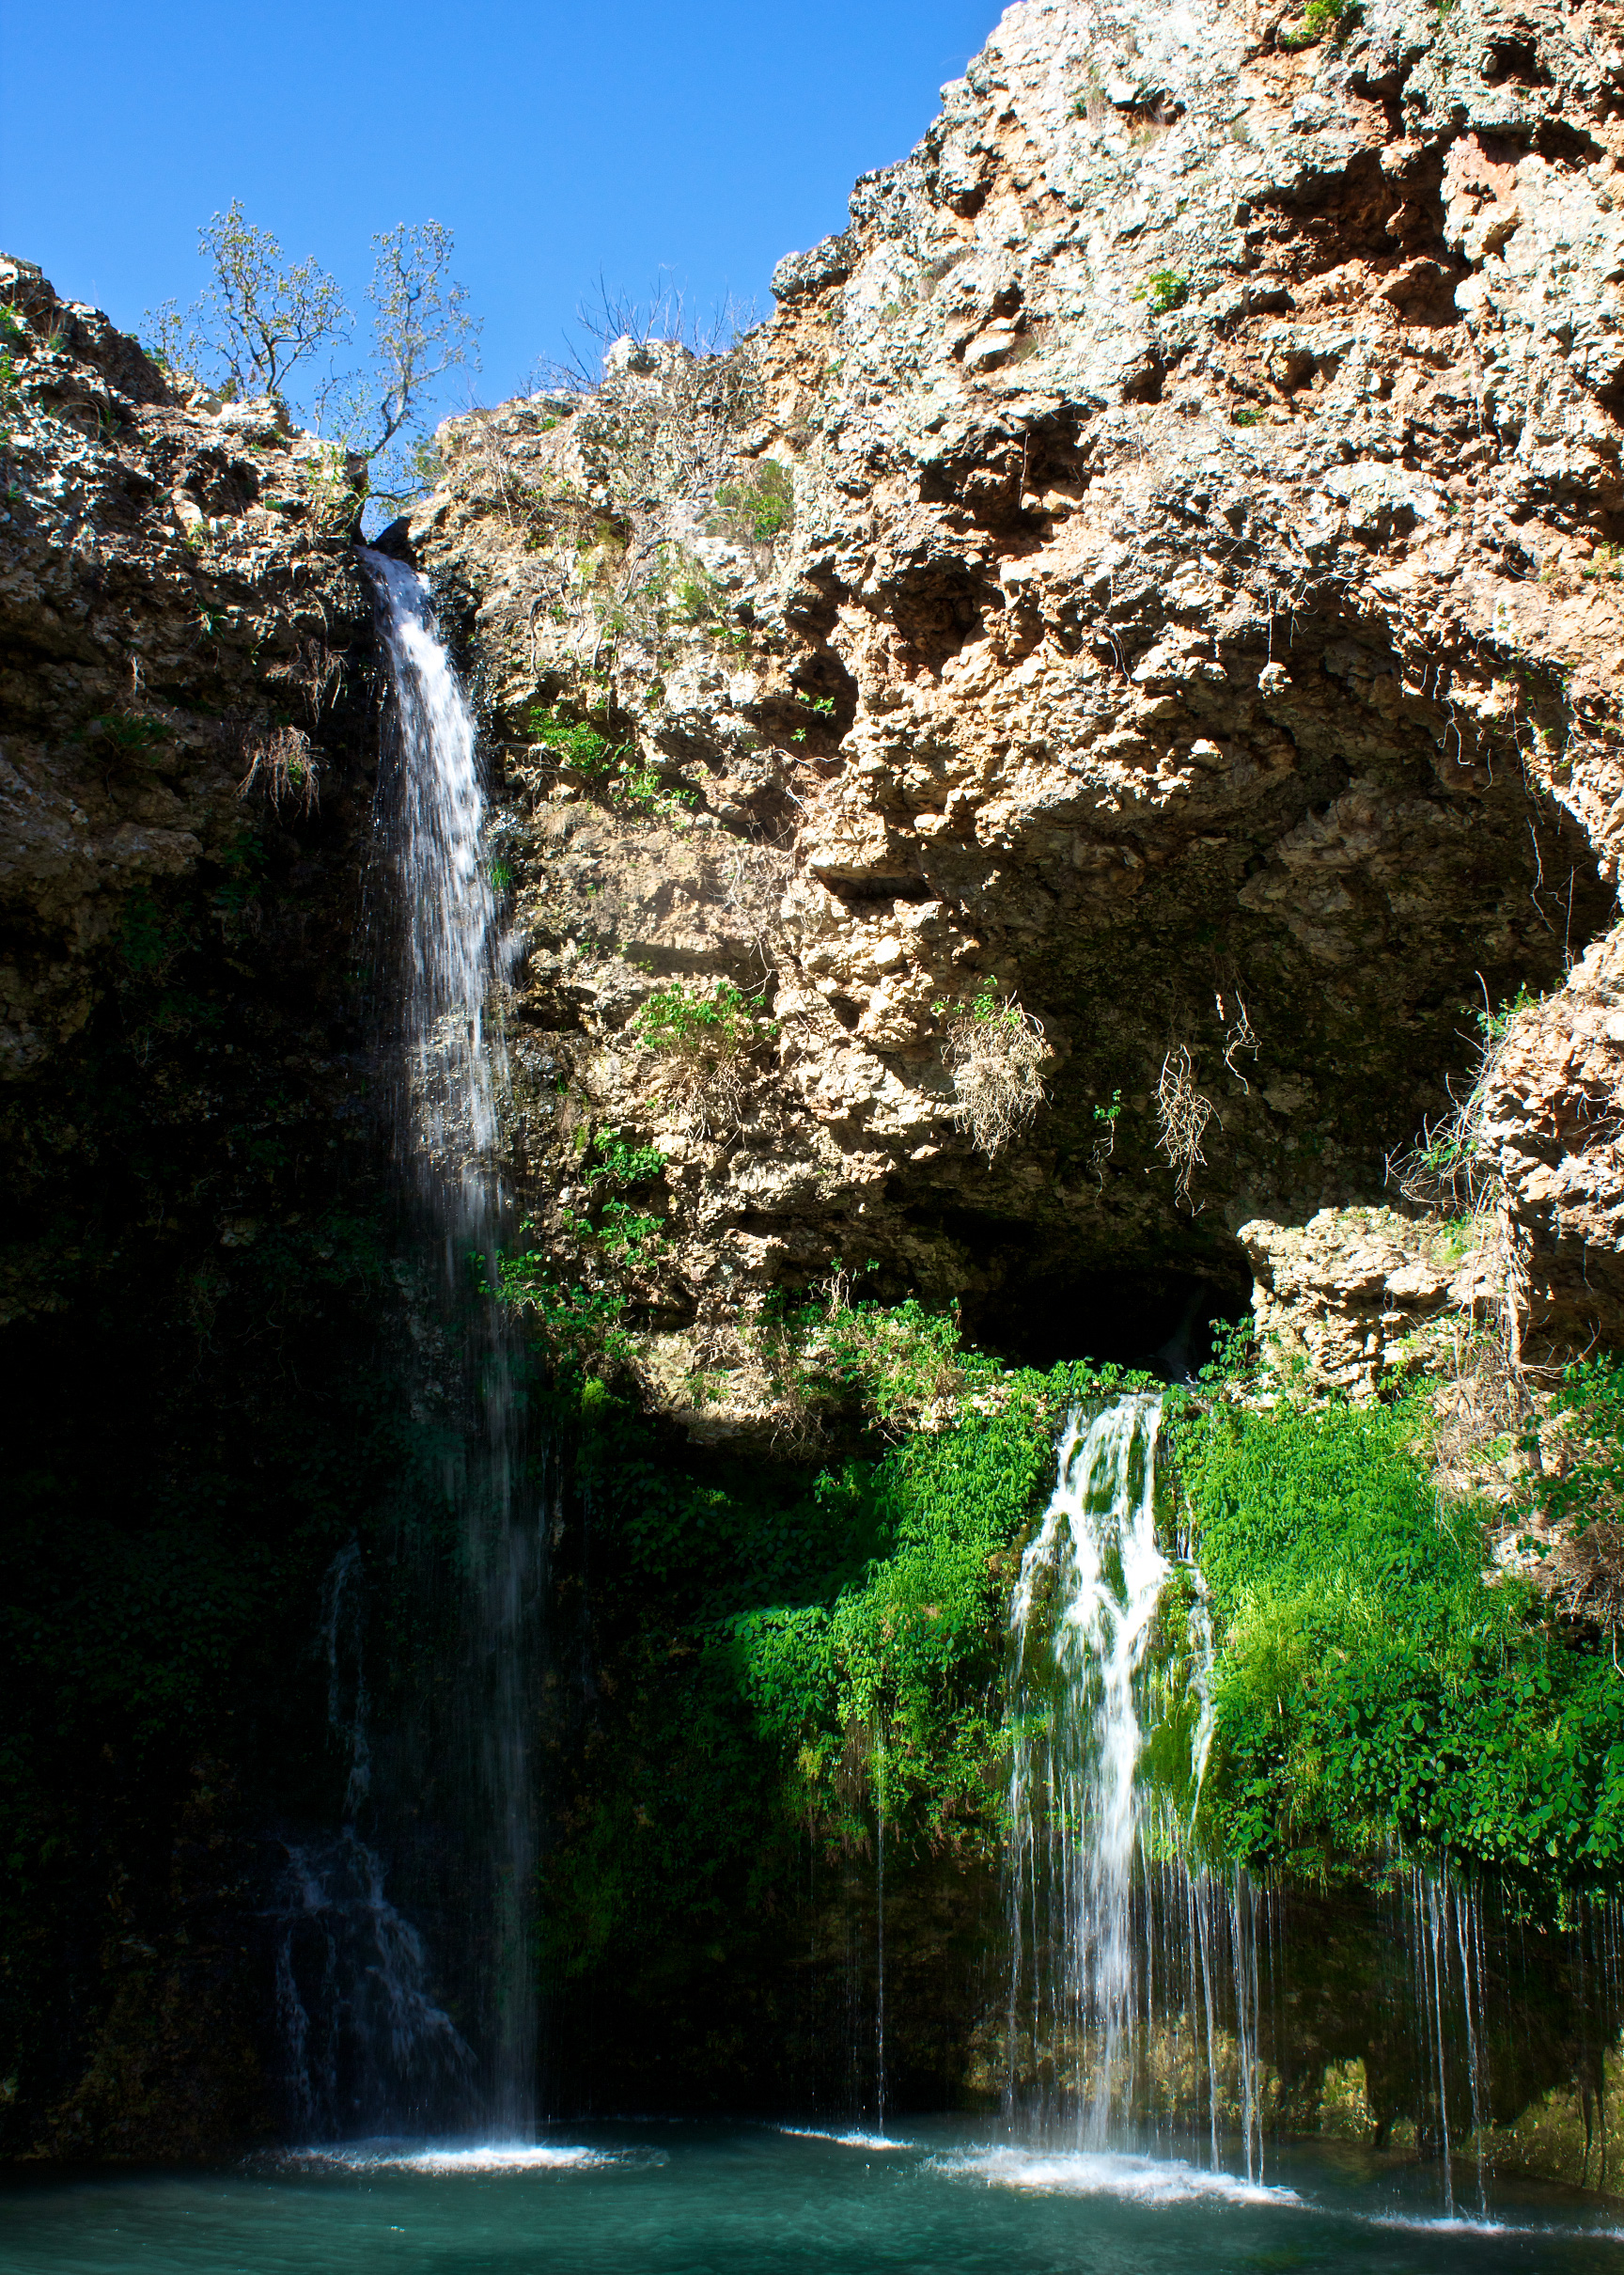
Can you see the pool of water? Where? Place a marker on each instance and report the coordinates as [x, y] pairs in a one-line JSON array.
[[943, 2198]]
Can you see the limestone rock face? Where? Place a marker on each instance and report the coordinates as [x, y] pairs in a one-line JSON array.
[[1346, 1290], [176, 582], [1191, 605], [1552, 1123]]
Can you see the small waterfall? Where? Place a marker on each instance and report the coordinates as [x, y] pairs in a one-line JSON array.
[[1442, 1930], [1089, 1585], [364, 2046], [1134, 1980], [453, 1085], [343, 1621]]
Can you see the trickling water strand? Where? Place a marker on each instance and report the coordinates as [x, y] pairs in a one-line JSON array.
[[1468, 1942], [1243, 1962], [454, 1082], [341, 1631], [879, 1941]]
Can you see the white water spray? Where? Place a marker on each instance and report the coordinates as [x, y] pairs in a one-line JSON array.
[[1095, 1573]]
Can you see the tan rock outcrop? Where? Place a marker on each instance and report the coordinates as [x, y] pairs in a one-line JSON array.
[[1199, 617]]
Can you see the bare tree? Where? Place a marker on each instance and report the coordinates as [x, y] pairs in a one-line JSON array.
[[259, 320], [421, 329], [610, 315]]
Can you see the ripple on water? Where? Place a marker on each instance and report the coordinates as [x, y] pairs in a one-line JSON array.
[[1085, 2173], [845, 2140]]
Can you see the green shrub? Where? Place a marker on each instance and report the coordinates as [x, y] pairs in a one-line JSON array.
[[1167, 290], [1323, 20], [608, 770], [579, 1327], [701, 1023], [757, 509], [1376, 1693], [618, 1164], [1584, 1484]]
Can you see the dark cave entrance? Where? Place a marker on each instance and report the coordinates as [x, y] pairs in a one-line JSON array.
[[1158, 1317]]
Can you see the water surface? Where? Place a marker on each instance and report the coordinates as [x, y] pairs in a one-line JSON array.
[[940, 2197]]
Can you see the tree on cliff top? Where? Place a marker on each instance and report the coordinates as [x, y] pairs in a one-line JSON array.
[[262, 318]]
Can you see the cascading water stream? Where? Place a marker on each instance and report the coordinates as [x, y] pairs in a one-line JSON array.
[[1134, 2010], [453, 1081], [1124, 1961], [1095, 1571]]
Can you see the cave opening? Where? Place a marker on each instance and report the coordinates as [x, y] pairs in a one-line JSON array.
[[1158, 1317]]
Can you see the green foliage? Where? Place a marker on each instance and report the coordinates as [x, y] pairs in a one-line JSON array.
[[702, 604], [783, 1651], [1375, 1692], [578, 1327], [618, 1164], [908, 1655], [986, 1008], [700, 1023], [132, 733], [1167, 290], [144, 942], [897, 1361], [629, 1235], [1497, 1025], [1323, 20], [761, 508], [609, 770]]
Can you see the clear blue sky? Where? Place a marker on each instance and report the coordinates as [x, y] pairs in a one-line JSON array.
[[556, 141]]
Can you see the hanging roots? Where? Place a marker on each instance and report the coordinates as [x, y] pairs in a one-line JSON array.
[[1181, 1117], [995, 1052], [283, 766], [1238, 1035]]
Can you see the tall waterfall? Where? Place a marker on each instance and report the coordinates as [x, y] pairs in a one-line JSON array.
[[1132, 1977], [452, 1084]]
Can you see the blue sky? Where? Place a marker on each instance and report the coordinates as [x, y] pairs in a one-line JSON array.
[[558, 142]]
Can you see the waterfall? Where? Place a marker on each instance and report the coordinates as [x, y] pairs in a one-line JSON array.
[[1088, 1588], [451, 1091], [1130, 1971], [365, 2050], [364, 2045]]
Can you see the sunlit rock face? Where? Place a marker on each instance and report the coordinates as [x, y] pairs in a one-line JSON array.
[[176, 594], [1199, 615]]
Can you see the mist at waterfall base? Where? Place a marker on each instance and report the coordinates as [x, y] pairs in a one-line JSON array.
[[696, 2198]]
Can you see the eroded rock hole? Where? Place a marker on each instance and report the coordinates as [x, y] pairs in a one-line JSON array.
[[1163, 1318]]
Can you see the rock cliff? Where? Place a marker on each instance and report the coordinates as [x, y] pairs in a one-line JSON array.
[[1157, 566], [191, 1235]]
